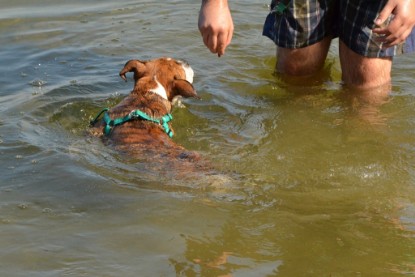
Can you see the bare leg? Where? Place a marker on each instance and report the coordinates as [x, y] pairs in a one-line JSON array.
[[302, 61], [368, 82], [366, 103], [362, 72]]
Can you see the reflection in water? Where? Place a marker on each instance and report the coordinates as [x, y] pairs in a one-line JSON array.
[[364, 104], [367, 104], [266, 242], [320, 79]]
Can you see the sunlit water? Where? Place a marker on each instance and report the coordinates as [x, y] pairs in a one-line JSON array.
[[313, 180]]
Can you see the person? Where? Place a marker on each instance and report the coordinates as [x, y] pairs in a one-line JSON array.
[[370, 34]]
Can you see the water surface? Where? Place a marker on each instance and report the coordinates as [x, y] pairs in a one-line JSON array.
[[317, 181]]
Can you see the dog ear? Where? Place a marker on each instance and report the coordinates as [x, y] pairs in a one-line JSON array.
[[136, 66], [183, 88]]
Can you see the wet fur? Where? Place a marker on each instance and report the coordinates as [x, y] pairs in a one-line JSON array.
[[144, 139]]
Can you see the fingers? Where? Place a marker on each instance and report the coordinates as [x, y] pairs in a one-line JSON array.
[[216, 25], [223, 41], [216, 42], [211, 42], [384, 14], [227, 40], [400, 26], [394, 34]]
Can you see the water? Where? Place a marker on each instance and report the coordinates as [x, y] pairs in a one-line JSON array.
[[316, 180]]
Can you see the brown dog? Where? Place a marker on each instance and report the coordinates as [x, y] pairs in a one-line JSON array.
[[140, 125]]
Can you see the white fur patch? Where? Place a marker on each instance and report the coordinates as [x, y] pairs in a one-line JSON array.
[[160, 90], [188, 71]]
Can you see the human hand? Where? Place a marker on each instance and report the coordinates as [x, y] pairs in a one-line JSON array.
[[400, 26], [216, 25]]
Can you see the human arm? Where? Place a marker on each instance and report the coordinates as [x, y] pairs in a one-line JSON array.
[[400, 26], [216, 25]]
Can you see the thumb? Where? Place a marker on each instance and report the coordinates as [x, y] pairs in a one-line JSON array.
[[384, 13]]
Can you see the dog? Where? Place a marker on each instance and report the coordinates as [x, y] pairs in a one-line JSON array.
[[140, 125]]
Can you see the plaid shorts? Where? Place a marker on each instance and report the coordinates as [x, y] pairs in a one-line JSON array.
[[300, 23]]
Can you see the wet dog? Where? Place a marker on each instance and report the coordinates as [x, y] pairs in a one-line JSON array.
[[140, 125]]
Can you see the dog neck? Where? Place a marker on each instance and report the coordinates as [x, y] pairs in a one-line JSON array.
[[150, 102], [151, 85], [159, 90]]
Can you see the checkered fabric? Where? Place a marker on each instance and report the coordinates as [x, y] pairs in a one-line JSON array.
[[300, 23]]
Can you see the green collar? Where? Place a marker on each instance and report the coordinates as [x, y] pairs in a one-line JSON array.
[[135, 114]]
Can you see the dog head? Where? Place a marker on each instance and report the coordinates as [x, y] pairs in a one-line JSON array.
[[164, 76]]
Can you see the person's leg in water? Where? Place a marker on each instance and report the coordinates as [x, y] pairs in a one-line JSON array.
[[302, 61], [302, 31], [357, 70], [303, 41], [362, 72]]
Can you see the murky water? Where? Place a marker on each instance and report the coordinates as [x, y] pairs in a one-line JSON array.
[[316, 181]]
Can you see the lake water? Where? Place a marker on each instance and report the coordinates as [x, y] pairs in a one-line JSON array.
[[317, 181]]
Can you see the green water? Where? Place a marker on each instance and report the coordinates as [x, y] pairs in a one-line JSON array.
[[314, 179]]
